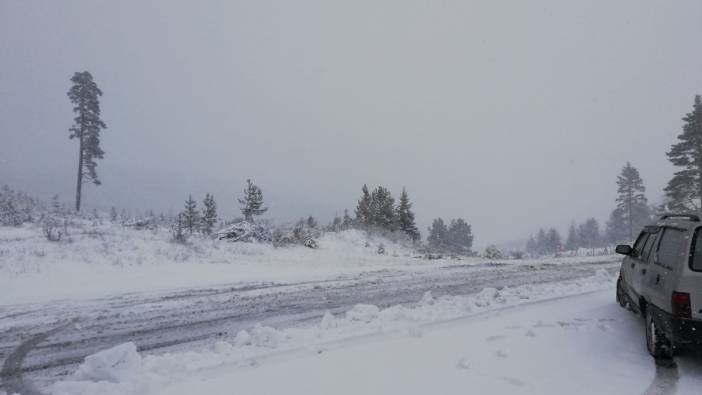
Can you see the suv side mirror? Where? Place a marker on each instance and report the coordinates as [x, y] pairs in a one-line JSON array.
[[624, 249]]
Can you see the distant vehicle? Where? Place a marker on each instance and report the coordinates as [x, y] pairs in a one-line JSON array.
[[661, 278]]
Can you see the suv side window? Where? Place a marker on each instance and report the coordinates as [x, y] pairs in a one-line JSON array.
[[670, 249], [640, 242], [648, 247], [696, 253]]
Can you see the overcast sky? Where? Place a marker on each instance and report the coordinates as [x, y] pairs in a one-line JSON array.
[[510, 114]]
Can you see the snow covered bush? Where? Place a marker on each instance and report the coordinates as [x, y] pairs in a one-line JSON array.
[[492, 252], [245, 231]]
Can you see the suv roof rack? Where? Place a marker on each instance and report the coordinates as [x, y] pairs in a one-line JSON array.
[[689, 217]]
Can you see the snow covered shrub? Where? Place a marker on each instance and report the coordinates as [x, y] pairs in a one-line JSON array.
[[53, 228], [245, 231], [304, 232], [492, 252]]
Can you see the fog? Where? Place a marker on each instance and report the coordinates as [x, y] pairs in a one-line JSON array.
[[512, 115]]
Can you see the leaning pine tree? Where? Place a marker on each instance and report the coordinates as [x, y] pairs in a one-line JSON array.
[[405, 217], [684, 190], [84, 94], [252, 203]]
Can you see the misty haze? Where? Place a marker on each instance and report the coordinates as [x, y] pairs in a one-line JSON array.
[[362, 197]]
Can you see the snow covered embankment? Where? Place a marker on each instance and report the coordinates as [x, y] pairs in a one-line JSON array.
[[121, 370]]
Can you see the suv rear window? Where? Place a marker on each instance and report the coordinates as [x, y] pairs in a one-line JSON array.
[[696, 253], [671, 248]]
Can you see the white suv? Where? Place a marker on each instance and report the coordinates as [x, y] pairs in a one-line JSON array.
[[661, 278]]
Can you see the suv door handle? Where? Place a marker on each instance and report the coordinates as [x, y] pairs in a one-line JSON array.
[[643, 271]]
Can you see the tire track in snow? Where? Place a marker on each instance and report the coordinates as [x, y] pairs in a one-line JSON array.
[[666, 379], [11, 380]]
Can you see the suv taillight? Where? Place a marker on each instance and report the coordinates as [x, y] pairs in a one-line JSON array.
[[681, 304]]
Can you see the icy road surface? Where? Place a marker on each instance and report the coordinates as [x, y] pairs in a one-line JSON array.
[[185, 319]]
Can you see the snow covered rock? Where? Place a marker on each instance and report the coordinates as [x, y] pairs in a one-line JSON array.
[[117, 364]]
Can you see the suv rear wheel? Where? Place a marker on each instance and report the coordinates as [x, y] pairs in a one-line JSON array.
[[657, 341]]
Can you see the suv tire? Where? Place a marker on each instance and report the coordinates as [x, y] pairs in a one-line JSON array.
[[621, 298], [657, 341]]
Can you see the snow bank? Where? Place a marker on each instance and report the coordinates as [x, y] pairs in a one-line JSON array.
[[117, 364], [249, 348]]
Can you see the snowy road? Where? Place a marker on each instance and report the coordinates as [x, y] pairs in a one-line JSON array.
[[172, 321], [582, 344]]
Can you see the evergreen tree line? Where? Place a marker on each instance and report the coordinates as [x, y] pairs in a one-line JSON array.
[[457, 237], [549, 241], [377, 210]]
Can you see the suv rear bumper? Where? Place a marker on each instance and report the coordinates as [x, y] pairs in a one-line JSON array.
[[682, 331]]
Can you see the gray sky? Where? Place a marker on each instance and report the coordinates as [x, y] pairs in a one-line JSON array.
[[511, 114]]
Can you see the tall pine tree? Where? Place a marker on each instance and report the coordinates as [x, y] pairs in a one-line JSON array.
[[684, 190], [632, 205], [252, 203], [84, 94], [405, 217]]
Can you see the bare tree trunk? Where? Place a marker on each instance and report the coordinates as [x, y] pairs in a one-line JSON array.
[[79, 183]]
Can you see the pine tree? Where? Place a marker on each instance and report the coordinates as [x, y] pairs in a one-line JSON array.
[[460, 236], [252, 203], [84, 94], [589, 233], [438, 234], [209, 214], [617, 229], [364, 215], [347, 221], [191, 216], [541, 242], [572, 242], [113, 214], [684, 190], [383, 209], [311, 222], [631, 201], [405, 217], [531, 247], [553, 241]]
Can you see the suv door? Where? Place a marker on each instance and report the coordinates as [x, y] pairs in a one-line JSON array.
[[629, 265], [642, 262]]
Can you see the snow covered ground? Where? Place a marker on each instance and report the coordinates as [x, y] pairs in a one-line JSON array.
[[583, 344], [105, 259]]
